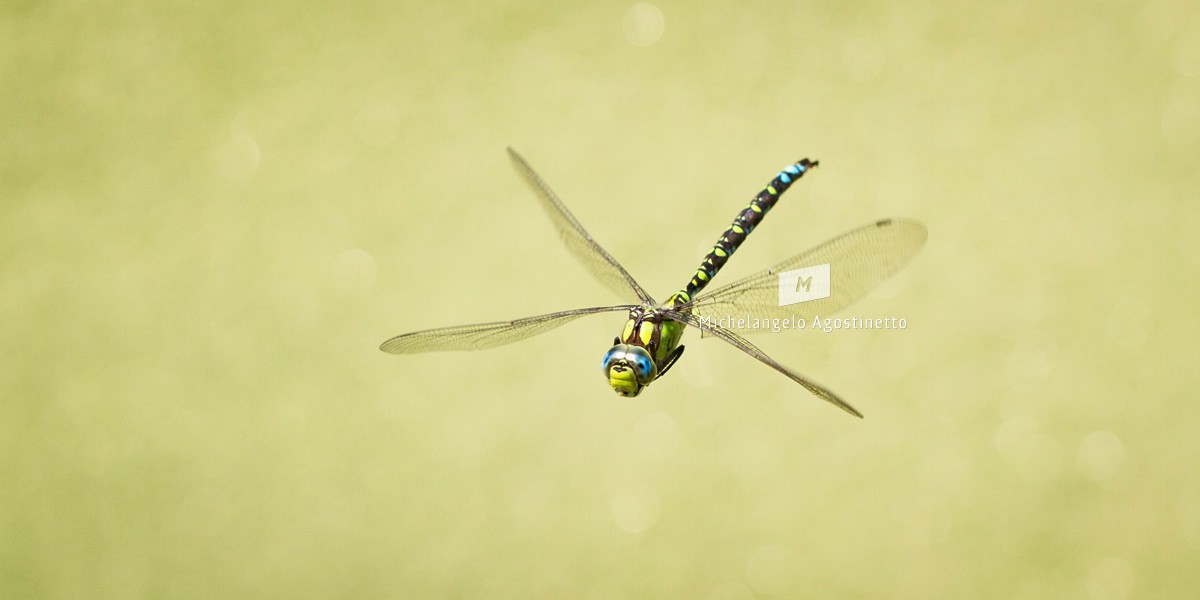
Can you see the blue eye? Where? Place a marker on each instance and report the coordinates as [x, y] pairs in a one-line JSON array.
[[642, 365], [609, 357]]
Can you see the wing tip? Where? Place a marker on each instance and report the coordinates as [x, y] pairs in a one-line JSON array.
[[391, 346], [832, 398], [905, 227]]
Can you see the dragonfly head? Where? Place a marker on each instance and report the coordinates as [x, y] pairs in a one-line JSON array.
[[629, 369]]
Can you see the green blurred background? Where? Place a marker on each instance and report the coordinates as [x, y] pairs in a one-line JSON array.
[[213, 213]]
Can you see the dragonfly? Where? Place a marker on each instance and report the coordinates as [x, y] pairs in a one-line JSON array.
[[649, 345]]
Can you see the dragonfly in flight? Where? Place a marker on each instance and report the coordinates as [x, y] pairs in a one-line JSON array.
[[649, 344]]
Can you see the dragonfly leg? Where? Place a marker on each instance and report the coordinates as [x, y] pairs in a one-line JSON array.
[[670, 361]]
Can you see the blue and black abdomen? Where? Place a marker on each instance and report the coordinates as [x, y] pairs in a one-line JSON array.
[[743, 224]]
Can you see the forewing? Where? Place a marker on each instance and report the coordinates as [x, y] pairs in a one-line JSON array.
[[486, 335], [594, 258], [858, 260]]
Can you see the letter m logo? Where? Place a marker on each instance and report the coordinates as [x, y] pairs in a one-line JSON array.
[[804, 285]]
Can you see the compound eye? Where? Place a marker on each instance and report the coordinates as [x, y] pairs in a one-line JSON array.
[[611, 356], [641, 366]]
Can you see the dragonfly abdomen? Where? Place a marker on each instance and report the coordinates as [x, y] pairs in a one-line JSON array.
[[742, 225]]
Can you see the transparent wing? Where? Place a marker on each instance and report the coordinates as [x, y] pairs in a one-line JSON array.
[[744, 345], [486, 335], [598, 262], [859, 261]]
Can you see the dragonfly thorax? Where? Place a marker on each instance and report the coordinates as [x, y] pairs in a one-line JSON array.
[[642, 352]]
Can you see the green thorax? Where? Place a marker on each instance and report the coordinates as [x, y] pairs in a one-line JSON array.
[[649, 329]]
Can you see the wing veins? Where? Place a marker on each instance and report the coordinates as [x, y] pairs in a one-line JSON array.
[[579, 242], [480, 336], [859, 260], [745, 346]]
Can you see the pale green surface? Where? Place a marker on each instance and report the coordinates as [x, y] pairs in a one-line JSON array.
[[213, 214]]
